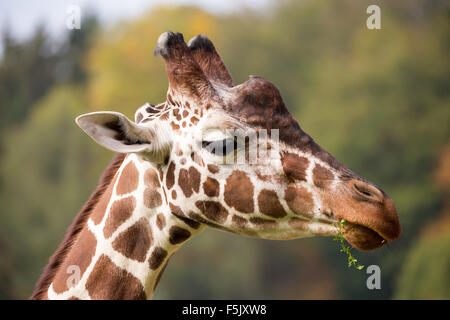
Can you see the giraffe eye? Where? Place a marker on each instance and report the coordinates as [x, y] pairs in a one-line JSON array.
[[220, 147]]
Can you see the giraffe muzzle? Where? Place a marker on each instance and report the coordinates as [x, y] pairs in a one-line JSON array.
[[372, 216]]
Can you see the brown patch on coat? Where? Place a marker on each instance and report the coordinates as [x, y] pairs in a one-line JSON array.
[[264, 223], [100, 209], [81, 256], [295, 166], [170, 100], [197, 217], [211, 187], [151, 178], [164, 116], [139, 117], [213, 168], [262, 177], [161, 173], [239, 192], [157, 258], [135, 241], [109, 282], [160, 221], [129, 179], [152, 198], [189, 181], [55, 261], [178, 235], [176, 209], [170, 177], [194, 120], [299, 200], [322, 177], [213, 210], [299, 224], [269, 204], [239, 221], [177, 212], [120, 211], [174, 126], [174, 194]]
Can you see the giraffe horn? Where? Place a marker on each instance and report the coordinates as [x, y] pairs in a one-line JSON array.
[[185, 75], [209, 60]]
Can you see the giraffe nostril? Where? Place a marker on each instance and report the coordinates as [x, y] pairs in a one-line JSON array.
[[366, 191]]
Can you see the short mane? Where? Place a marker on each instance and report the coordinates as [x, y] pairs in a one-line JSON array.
[[75, 228]]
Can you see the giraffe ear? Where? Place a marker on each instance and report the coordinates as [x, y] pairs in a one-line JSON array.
[[117, 133]]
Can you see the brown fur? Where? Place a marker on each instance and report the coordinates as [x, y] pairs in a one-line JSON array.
[[239, 192], [75, 228], [120, 212], [121, 285], [157, 258], [129, 179], [269, 204], [134, 242]]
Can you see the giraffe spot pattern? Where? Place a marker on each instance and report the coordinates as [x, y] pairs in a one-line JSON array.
[[239, 221], [81, 256], [201, 219], [170, 177], [157, 258], [299, 200], [151, 178], [180, 215], [295, 166], [174, 126], [174, 194], [239, 192], [152, 198], [322, 177], [129, 179], [189, 181], [178, 235], [269, 204], [160, 221], [299, 224], [211, 187], [213, 210], [100, 208], [264, 223], [213, 168], [109, 282], [134, 242], [120, 211]]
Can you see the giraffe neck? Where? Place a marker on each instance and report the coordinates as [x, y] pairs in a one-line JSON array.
[[125, 244]]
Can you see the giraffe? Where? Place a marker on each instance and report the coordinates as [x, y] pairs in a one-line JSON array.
[[168, 181]]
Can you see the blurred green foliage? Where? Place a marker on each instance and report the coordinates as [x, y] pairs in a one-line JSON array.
[[378, 100]]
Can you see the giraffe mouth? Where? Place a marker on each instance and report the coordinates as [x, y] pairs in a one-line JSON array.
[[362, 237]]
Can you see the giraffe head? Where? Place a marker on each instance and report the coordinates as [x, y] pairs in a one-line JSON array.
[[232, 157]]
